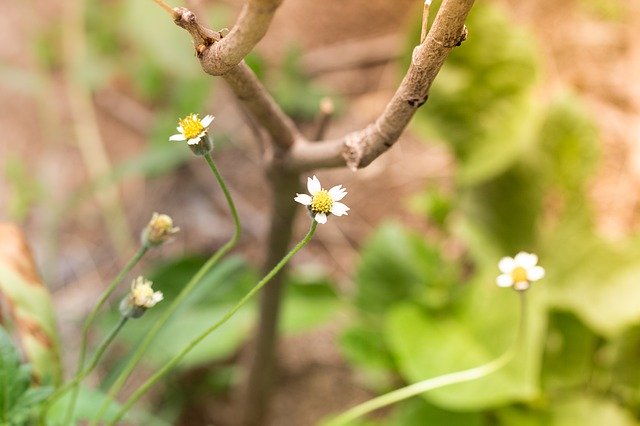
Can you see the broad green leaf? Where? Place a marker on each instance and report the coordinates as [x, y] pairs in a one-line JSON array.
[[569, 143], [397, 265], [590, 411], [218, 292], [427, 345], [506, 209], [569, 352], [307, 304], [596, 280], [17, 397], [89, 403], [32, 310], [625, 369], [417, 412]]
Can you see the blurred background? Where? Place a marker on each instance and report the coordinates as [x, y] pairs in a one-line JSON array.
[[528, 142]]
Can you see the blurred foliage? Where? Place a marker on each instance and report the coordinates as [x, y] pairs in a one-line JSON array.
[[24, 188], [309, 301], [31, 312], [18, 399], [524, 164]]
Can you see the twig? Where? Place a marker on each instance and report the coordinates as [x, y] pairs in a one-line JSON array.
[[327, 109], [262, 106], [425, 21], [218, 55], [358, 149]]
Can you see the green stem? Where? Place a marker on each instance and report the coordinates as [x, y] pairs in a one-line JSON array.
[[169, 365], [439, 381], [91, 318], [157, 326], [81, 375]]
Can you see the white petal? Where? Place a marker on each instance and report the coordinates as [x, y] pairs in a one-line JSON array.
[[521, 285], [321, 218], [339, 209], [337, 193], [180, 129], [506, 265], [303, 199], [194, 141], [178, 137], [536, 273], [504, 280], [526, 260], [313, 185], [207, 120]]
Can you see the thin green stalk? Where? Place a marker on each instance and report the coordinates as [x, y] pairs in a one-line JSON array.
[[169, 365], [79, 377], [439, 381], [155, 329], [91, 318]]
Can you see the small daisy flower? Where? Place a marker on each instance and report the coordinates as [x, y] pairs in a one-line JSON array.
[[159, 230], [140, 298], [192, 129], [520, 271], [321, 202]]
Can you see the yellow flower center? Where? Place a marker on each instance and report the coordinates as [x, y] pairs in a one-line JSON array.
[[519, 274], [191, 126], [321, 202]]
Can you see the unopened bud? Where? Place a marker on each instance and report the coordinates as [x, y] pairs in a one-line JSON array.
[[159, 230]]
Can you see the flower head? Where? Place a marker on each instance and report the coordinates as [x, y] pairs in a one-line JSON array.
[[194, 130], [321, 202], [140, 298], [520, 271], [159, 229]]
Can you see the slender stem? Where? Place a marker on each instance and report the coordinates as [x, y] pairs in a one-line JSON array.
[[79, 377], [169, 365], [439, 381], [91, 318], [157, 326]]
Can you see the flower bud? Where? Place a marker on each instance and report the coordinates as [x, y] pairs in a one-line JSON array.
[[158, 230], [140, 298]]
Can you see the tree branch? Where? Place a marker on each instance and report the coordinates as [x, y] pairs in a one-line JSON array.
[[262, 106], [218, 55], [358, 149]]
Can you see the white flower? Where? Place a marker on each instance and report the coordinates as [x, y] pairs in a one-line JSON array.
[[322, 202], [192, 129], [519, 272], [142, 295]]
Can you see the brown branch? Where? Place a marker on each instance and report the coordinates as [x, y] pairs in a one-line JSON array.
[[219, 55], [358, 149], [262, 106]]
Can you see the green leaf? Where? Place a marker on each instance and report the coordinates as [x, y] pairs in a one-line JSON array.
[[88, 405], [17, 397], [595, 279], [218, 291], [427, 345], [569, 352], [417, 412], [506, 209], [569, 142], [590, 411], [308, 302], [397, 265]]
